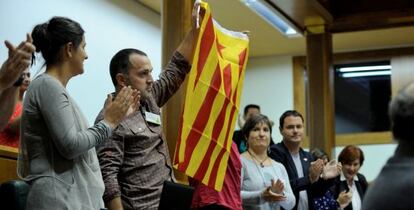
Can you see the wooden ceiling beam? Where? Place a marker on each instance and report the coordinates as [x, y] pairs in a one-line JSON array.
[[310, 13], [302, 12], [373, 20]]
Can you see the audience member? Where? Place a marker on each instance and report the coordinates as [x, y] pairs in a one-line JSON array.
[[10, 72], [207, 198], [308, 178], [238, 138], [395, 183], [135, 160], [265, 183], [350, 186], [326, 201], [57, 154], [318, 153], [11, 134]]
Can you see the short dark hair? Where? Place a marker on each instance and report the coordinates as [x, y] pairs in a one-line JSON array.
[[250, 106], [351, 153], [287, 114], [401, 112], [318, 153], [49, 37], [120, 63], [253, 121]]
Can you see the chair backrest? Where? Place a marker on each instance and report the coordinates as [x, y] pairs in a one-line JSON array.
[[13, 195], [176, 196]]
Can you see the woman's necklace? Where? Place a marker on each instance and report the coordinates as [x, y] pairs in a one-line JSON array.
[[261, 163]]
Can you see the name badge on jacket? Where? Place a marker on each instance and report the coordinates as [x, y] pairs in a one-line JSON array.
[[152, 118]]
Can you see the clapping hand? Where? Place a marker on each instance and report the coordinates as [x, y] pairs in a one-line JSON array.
[[331, 169], [126, 102], [315, 169], [268, 195], [344, 199], [277, 186], [19, 59]]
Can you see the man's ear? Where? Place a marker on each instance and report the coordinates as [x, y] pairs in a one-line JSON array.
[[121, 79], [241, 121]]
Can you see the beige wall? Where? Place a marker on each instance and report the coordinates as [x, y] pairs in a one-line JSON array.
[[268, 83], [109, 26]]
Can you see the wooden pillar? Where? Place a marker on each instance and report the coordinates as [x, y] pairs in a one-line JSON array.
[[320, 106], [176, 22]]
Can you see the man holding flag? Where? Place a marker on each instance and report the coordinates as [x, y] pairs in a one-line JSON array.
[[135, 161]]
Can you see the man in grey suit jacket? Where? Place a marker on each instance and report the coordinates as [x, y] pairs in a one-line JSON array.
[[395, 183]]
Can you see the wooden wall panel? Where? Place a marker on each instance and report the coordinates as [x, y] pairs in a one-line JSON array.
[[8, 163]]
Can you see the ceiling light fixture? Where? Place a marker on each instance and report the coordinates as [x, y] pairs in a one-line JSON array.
[[365, 68], [366, 74], [273, 17]]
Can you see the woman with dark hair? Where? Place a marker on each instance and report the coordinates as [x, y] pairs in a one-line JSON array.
[[57, 152], [350, 187], [327, 200], [265, 183]]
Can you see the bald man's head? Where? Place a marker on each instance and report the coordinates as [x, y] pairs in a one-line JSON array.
[[401, 113]]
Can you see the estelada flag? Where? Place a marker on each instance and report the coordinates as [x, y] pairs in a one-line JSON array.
[[211, 103]]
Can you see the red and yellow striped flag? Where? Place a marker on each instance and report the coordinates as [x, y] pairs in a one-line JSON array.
[[211, 103]]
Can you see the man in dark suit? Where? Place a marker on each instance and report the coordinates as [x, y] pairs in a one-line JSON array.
[[393, 188], [238, 137], [308, 178]]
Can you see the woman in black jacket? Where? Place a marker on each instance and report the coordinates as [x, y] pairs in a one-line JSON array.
[[350, 187]]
